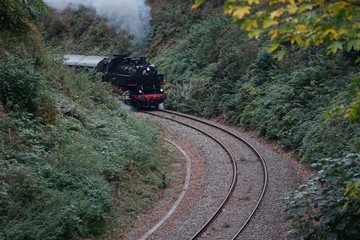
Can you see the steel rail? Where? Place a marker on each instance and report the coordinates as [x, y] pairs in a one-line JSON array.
[[263, 164], [233, 181]]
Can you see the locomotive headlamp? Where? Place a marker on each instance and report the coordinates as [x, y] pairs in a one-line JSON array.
[[161, 90], [140, 91], [148, 69]]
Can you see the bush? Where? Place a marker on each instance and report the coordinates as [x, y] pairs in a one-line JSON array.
[[81, 32], [328, 206], [205, 67], [58, 181], [20, 83], [215, 71]]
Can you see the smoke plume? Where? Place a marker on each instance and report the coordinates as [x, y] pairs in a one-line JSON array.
[[132, 16]]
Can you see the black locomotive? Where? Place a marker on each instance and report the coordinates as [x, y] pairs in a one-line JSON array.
[[135, 75]]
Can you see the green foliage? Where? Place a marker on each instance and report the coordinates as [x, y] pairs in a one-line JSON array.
[[335, 127], [42, 198], [18, 16], [200, 74], [352, 194], [20, 83], [56, 180], [299, 22], [170, 20], [353, 109], [59, 165], [327, 206], [82, 32], [289, 105], [332, 137], [67, 152], [214, 70]]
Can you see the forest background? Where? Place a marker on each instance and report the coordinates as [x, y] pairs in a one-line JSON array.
[[308, 102]]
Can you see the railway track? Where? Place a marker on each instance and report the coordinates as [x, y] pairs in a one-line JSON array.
[[243, 193]]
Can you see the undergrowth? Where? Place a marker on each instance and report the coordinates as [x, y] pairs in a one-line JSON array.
[[82, 32], [327, 206], [215, 71], [62, 158]]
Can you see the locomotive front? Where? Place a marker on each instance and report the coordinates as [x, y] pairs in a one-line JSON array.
[[149, 88]]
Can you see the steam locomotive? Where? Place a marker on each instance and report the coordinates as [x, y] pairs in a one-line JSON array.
[[132, 74]]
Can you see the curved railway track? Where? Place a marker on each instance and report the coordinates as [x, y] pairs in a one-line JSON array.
[[180, 197], [228, 205]]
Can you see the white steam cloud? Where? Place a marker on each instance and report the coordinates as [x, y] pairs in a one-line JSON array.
[[132, 16]]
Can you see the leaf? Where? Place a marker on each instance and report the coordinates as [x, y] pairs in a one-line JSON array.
[[297, 38], [240, 12], [253, 1], [197, 4], [277, 13], [337, 6], [320, 2], [357, 60], [301, 27], [255, 33], [353, 44], [305, 7], [248, 24], [274, 34], [352, 189], [269, 22], [273, 47], [291, 9], [228, 7], [334, 47], [330, 30], [279, 55], [318, 40]]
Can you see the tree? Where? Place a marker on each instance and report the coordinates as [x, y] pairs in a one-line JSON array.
[[20, 15], [335, 24], [299, 22]]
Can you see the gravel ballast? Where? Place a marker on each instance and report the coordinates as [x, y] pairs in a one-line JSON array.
[[209, 175]]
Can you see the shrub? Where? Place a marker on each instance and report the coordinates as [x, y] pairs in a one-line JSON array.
[[20, 83], [328, 206], [206, 64], [82, 32], [57, 180]]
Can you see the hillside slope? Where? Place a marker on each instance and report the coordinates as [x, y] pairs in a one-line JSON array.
[[68, 152], [213, 69]]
